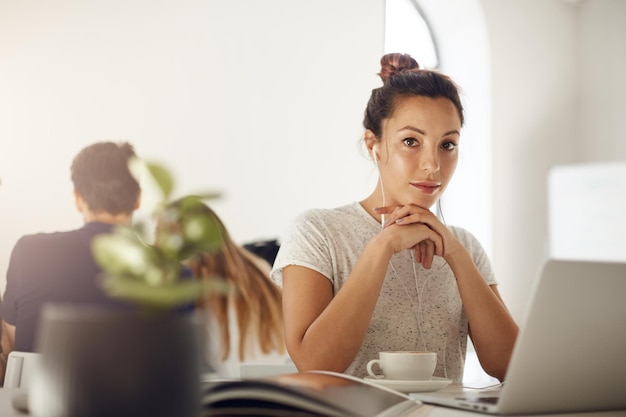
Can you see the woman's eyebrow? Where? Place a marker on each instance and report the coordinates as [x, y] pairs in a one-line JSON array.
[[452, 132], [413, 128], [422, 132]]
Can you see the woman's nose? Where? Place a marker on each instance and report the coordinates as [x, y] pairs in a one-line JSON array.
[[429, 161]]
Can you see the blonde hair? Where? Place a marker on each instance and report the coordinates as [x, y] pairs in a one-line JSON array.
[[257, 300]]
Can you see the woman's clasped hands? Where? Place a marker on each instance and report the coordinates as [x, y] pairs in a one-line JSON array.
[[416, 228]]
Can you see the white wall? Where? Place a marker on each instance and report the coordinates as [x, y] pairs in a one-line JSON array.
[[558, 94], [262, 100], [586, 206], [602, 81], [535, 101]]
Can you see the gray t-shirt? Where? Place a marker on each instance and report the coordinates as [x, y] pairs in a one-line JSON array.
[[417, 309]]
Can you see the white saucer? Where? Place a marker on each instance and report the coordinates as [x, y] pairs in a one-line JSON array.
[[433, 384]]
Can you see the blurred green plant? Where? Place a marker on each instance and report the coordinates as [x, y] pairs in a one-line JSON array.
[[153, 276]]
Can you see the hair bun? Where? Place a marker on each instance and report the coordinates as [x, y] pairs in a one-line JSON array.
[[395, 63]]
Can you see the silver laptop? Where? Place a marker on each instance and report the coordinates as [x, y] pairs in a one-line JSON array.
[[570, 355]]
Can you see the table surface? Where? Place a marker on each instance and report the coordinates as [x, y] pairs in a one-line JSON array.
[[7, 410]]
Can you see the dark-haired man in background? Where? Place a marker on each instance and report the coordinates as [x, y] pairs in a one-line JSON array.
[[59, 267]]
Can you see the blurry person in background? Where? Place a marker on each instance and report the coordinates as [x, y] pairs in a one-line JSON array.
[[58, 267], [245, 324]]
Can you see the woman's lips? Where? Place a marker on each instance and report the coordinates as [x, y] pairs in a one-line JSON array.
[[426, 187]]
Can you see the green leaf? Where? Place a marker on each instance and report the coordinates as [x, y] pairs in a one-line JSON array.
[[163, 297], [151, 275], [162, 177], [209, 195], [201, 229], [121, 253]]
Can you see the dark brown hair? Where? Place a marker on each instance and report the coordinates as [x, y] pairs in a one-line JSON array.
[[101, 176], [402, 77]]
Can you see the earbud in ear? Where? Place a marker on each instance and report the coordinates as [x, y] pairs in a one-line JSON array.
[[376, 157]]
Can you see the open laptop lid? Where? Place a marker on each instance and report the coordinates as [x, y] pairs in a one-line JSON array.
[[570, 355], [571, 352]]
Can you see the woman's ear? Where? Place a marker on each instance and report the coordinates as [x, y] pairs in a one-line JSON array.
[[371, 143]]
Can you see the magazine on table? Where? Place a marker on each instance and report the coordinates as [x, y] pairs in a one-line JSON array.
[[314, 393]]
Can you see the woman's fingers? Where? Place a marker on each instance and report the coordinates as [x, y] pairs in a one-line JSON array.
[[425, 237], [408, 214], [418, 237], [388, 214], [425, 253], [417, 250], [429, 249]]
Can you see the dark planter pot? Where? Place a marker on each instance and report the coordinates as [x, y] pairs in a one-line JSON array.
[[99, 362]]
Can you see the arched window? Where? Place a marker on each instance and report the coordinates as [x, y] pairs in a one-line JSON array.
[[407, 30]]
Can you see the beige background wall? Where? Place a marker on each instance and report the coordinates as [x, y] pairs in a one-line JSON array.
[[558, 96], [264, 101]]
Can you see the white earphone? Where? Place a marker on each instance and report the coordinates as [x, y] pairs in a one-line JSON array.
[[376, 157]]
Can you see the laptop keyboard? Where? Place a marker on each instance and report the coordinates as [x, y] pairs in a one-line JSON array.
[[480, 400]]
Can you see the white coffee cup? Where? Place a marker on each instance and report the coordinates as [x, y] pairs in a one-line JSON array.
[[404, 365]]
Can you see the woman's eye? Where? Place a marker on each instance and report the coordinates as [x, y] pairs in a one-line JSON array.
[[410, 142], [449, 146]]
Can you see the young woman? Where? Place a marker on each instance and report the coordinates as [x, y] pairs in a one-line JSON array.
[[246, 323], [385, 273]]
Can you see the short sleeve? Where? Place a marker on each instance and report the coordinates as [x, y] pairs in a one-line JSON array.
[[478, 254], [8, 309], [303, 243]]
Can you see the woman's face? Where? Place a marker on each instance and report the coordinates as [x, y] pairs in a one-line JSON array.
[[419, 150]]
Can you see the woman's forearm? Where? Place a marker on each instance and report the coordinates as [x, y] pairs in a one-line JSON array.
[[334, 337], [492, 328]]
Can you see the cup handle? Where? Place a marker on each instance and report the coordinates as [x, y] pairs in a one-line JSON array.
[[370, 364]]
